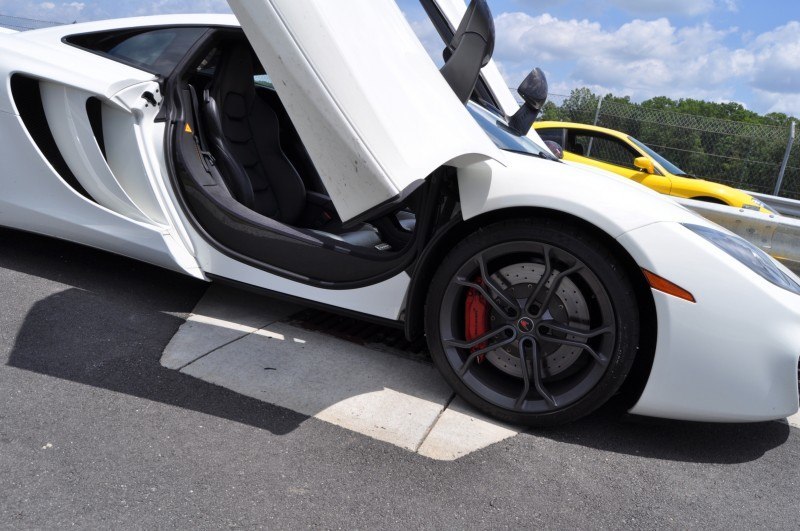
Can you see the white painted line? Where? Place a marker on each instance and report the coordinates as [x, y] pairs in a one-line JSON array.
[[382, 396], [794, 420], [222, 315], [232, 340]]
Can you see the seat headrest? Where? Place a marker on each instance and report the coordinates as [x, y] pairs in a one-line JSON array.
[[234, 73]]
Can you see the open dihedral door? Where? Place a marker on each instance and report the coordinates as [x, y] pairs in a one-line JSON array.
[[373, 111]]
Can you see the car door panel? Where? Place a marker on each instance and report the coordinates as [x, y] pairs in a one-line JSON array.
[[610, 153], [375, 119], [659, 183]]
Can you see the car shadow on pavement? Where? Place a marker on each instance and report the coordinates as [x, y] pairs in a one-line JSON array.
[[105, 324], [106, 319], [610, 429]]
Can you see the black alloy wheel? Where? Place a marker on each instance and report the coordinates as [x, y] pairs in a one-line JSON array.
[[557, 321]]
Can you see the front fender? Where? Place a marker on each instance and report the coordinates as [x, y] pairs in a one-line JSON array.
[[610, 203], [613, 204]]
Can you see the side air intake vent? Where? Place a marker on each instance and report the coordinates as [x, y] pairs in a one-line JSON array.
[[94, 110], [28, 99]]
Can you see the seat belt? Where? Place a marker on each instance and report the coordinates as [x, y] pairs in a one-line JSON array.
[[206, 157]]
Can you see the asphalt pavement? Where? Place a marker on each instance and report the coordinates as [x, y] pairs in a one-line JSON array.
[[95, 433]]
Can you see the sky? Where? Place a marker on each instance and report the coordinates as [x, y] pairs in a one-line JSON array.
[[745, 51]]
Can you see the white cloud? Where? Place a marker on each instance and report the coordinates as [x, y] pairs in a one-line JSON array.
[[47, 11], [429, 38], [519, 35], [640, 8], [71, 10], [731, 5], [638, 53], [645, 58], [665, 7], [162, 7], [777, 60], [778, 102]]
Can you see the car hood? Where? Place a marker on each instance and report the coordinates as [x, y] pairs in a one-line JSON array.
[[373, 111]]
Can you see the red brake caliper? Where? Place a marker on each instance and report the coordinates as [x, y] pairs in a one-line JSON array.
[[476, 317]]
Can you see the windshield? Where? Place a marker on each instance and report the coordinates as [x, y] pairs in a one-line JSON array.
[[502, 135], [667, 165]]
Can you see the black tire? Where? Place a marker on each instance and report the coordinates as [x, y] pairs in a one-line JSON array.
[[589, 294]]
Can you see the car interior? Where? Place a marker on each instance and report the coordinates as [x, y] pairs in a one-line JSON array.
[[262, 160]]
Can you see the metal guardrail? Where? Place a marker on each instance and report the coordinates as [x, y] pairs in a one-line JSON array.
[[784, 205], [779, 236]]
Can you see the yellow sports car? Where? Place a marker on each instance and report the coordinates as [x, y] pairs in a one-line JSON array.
[[622, 154]]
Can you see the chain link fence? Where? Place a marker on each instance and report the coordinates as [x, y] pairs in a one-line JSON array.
[[740, 154]]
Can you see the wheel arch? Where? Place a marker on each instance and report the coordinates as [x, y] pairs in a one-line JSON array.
[[457, 229]]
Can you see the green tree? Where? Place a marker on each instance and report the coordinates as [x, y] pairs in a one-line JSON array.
[[580, 105]]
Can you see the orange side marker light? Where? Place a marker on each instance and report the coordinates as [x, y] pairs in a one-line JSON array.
[[188, 128], [662, 284]]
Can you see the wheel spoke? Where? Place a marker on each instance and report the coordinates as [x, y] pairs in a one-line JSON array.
[[583, 337], [526, 379], [564, 329], [474, 355], [548, 270], [475, 342], [547, 294], [487, 280], [532, 376]]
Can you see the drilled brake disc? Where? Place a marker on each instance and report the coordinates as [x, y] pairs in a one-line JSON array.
[[567, 306]]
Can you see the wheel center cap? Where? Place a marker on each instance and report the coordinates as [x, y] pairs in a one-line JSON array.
[[525, 325]]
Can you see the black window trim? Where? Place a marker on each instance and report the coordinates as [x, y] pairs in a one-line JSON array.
[[600, 134], [136, 30]]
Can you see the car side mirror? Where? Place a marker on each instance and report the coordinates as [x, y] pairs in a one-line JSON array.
[[643, 163], [533, 91], [555, 147], [469, 50]]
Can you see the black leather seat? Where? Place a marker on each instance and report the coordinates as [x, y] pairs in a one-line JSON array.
[[244, 136]]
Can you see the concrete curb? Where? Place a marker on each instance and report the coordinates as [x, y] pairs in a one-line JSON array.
[[236, 340]]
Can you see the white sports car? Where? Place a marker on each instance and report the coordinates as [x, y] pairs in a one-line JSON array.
[[319, 154]]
